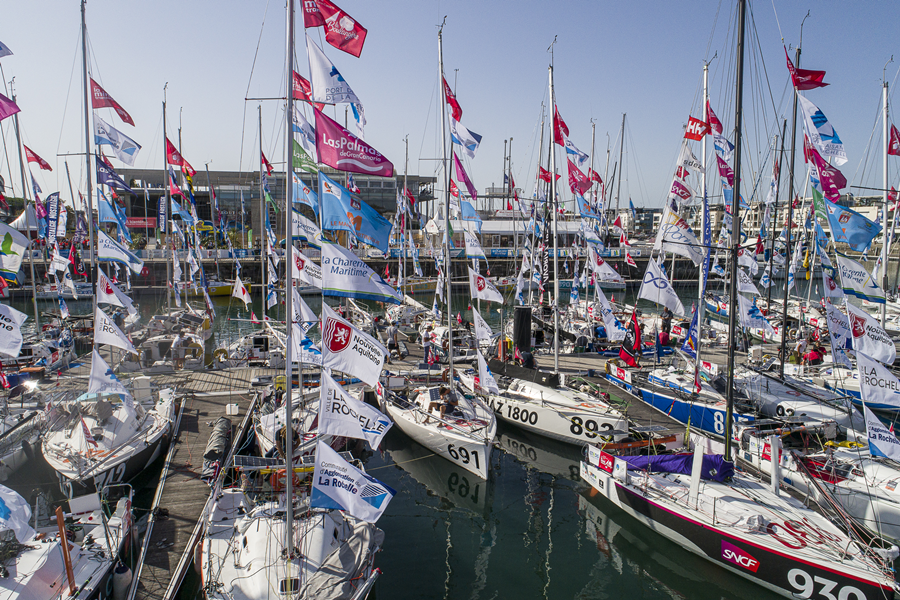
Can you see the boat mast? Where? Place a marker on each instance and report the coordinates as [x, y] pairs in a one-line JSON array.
[[168, 224], [511, 193], [215, 218], [289, 288], [445, 161], [404, 202], [703, 225], [37, 318], [590, 178], [555, 207], [263, 238], [621, 151], [736, 229], [775, 218], [537, 185], [884, 180], [790, 215], [95, 265]]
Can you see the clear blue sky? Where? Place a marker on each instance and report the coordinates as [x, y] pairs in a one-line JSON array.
[[640, 58]]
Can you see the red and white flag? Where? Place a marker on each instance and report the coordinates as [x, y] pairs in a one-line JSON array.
[[544, 174], [266, 163], [696, 129], [712, 120], [340, 149], [560, 130], [623, 240], [578, 181], [100, 99], [681, 190], [594, 176], [240, 292], [33, 157], [804, 79], [894, 143], [174, 157], [87, 434], [348, 350], [455, 108], [341, 30], [629, 260], [253, 318]]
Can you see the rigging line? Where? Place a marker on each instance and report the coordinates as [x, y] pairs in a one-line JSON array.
[[777, 22], [427, 118], [713, 30], [68, 92], [249, 81]]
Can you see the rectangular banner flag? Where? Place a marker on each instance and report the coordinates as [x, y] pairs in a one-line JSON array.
[[676, 236], [851, 227], [161, 214], [479, 287], [882, 441], [303, 194], [342, 211], [342, 414], [109, 249], [107, 332], [856, 281], [745, 283], [100, 99], [341, 30], [125, 148], [328, 85], [820, 132], [54, 206], [339, 485], [304, 270], [304, 229], [346, 275], [11, 327], [585, 209], [878, 386], [340, 149], [473, 248], [348, 350], [868, 337], [656, 287], [839, 334], [469, 140]]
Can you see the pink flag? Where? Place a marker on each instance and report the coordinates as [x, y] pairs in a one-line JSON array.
[[726, 172], [100, 99], [715, 124], [578, 182], [341, 150], [7, 107], [560, 130], [830, 177], [174, 157], [461, 173], [804, 79], [893, 145], [680, 190], [455, 108], [341, 30], [33, 157]]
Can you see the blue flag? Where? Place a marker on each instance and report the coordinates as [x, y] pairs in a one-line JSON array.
[[177, 210], [690, 341], [107, 176], [110, 212], [343, 212], [851, 227], [585, 209], [633, 211], [469, 214], [303, 194]]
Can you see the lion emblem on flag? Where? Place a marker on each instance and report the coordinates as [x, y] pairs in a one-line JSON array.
[[337, 335], [480, 283], [857, 325]]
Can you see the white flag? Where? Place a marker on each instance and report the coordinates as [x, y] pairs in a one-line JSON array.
[[482, 329], [615, 331], [304, 229], [480, 287], [469, 140], [17, 513], [69, 283], [856, 281], [109, 249], [747, 259], [342, 414], [303, 314], [675, 236], [328, 85], [348, 350], [877, 385], [58, 262], [106, 332], [745, 283], [485, 379], [868, 337], [656, 288], [338, 484], [304, 127], [103, 381], [11, 327], [125, 148], [105, 291], [686, 158], [820, 132], [240, 292], [473, 248], [832, 289], [839, 335], [601, 268], [882, 441], [305, 270], [751, 316], [302, 348], [345, 274], [12, 247]]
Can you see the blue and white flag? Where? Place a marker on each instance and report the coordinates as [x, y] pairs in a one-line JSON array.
[[303, 350], [110, 250], [820, 132], [110, 212], [35, 187], [346, 275], [341, 211], [656, 288], [102, 379], [339, 485], [615, 331], [304, 127], [328, 85], [5, 51], [178, 210], [161, 214], [15, 514], [63, 308], [342, 414], [469, 140], [473, 248], [575, 154], [468, 213], [54, 210], [125, 148], [585, 209], [751, 317], [303, 193], [856, 281], [851, 227], [107, 176], [882, 442], [304, 229]]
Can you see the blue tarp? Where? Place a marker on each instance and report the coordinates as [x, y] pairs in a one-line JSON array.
[[683, 463]]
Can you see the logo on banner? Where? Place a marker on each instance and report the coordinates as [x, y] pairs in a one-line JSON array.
[[337, 335], [843, 218], [857, 325], [480, 283], [735, 555], [300, 262], [354, 203], [107, 288]]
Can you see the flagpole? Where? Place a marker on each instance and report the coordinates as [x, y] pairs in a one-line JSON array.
[[72, 194], [37, 317], [701, 292], [590, 178], [884, 180], [263, 238], [555, 306], [447, 261], [168, 209], [288, 297], [775, 218], [215, 218], [404, 202]]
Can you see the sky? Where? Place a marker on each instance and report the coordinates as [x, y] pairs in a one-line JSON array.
[[644, 59]]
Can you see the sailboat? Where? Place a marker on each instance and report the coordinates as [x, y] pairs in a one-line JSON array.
[[703, 504]]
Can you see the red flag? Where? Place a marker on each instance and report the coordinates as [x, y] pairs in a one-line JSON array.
[[100, 99], [544, 174], [560, 131], [893, 195], [32, 157], [4, 383], [629, 260], [253, 318], [578, 183], [302, 90], [594, 176], [409, 196], [617, 226], [387, 272], [509, 204], [831, 179], [715, 125], [340, 149], [341, 30], [174, 190], [760, 248], [894, 144], [174, 157], [87, 434], [266, 163], [682, 172], [459, 318], [455, 108], [454, 191], [311, 15], [804, 79], [725, 171], [630, 351], [623, 240], [696, 129], [512, 184], [3, 201], [807, 150]]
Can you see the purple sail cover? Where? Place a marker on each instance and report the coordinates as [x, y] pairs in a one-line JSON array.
[[682, 463]]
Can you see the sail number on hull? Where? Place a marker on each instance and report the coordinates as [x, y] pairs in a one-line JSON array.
[[463, 455]]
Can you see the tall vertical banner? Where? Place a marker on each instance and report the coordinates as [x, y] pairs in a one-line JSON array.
[[161, 214]]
